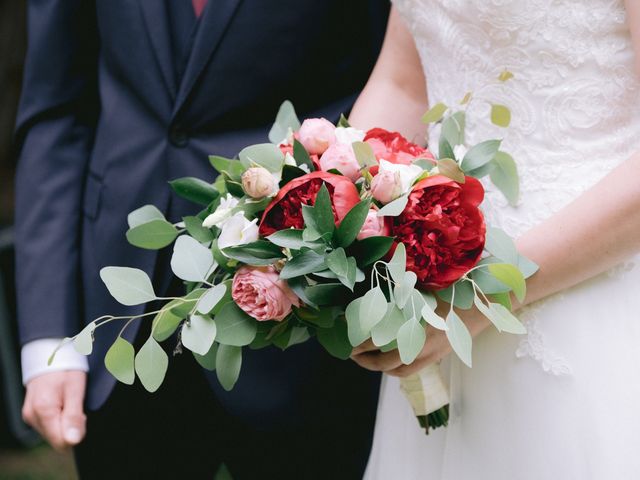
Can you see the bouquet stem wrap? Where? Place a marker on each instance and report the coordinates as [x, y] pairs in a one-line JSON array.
[[428, 396]]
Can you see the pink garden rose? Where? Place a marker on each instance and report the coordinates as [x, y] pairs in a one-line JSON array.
[[341, 157], [386, 186], [374, 226], [260, 293], [316, 135]]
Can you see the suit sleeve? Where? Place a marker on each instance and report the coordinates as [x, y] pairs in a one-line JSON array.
[[54, 135]]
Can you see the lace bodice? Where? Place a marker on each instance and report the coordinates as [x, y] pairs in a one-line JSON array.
[[575, 98]]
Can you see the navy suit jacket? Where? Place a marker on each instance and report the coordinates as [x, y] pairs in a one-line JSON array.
[[104, 124]]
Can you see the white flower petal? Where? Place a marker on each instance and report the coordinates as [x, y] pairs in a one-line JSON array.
[[348, 135]]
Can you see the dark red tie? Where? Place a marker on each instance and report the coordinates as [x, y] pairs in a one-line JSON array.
[[198, 6]]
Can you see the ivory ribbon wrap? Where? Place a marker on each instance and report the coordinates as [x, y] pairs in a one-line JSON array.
[[425, 390]]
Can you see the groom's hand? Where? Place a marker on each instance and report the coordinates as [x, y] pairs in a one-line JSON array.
[[54, 407]]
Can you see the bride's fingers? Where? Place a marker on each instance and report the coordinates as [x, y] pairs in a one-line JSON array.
[[367, 346], [378, 361]]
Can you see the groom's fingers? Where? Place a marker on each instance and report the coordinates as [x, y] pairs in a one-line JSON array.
[[378, 361], [73, 425], [367, 346]]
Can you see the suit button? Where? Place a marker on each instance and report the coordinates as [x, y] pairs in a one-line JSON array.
[[178, 136]]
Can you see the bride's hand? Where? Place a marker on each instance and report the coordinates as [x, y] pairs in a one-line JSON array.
[[435, 348]]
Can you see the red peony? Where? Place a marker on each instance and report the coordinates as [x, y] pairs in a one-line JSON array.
[[395, 148], [442, 229], [285, 210]]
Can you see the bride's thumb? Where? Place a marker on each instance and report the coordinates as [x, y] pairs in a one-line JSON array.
[[74, 421]]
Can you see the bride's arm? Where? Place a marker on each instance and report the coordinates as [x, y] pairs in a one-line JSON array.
[[595, 232], [395, 96]]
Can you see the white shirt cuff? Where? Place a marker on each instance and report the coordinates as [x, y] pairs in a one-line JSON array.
[[35, 355]]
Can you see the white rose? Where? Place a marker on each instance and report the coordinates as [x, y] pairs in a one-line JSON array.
[[238, 231], [406, 173], [348, 135], [222, 213]]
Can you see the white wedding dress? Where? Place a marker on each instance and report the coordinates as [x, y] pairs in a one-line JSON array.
[[562, 401]]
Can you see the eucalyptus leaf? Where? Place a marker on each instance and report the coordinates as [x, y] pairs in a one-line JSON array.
[[463, 294], [198, 334], [191, 261], [510, 276], [479, 155], [403, 289], [129, 286], [453, 128], [152, 235], [398, 263], [450, 169], [501, 245], [444, 149], [435, 113], [364, 154], [286, 120], [143, 215], [235, 327], [355, 332], [166, 322], [83, 341], [151, 365], [502, 318], [432, 318], [208, 360], [119, 361], [373, 308], [394, 208], [211, 298], [265, 155], [231, 167], [459, 337], [387, 329], [505, 177], [196, 230], [228, 365], [414, 305], [411, 339]]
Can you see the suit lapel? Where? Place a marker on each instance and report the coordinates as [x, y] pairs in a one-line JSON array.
[[213, 23], [157, 25]]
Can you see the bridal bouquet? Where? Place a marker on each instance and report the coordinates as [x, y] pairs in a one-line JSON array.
[[327, 232]]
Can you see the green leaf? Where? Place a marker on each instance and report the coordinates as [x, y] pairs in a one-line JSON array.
[[292, 336], [484, 170], [234, 326], [301, 155], [510, 276], [411, 339], [364, 154], [119, 361], [413, 308], [505, 75], [502, 318], [372, 308], [398, 263], [337, 262], [352, 223], [290, 238], [403, 289], [196, 230], [198, 334], [501, 245], [503, 299], [480, 154], [152, 235], [394, 208], [355, 332], [286, 120], [195, 190], [526, 266], [444, 149], [387, 329], [83, 341], [211, 298], [324, 318], [432, 318], [166, 322], [371, 249], [450, 169], [335, 340], [151, 365], [191, 261], [129, 286], [228, 365], [207, 361], [232, 168], [143, 215], [500, 115], [487, 282], [265, 155], [459, 337], [326, 293], [453, 128], [289, 172], [323, 212], [463, 294], [303, 264], [435, 113], [505, 177], [260, 252], [343, 122], [186, 304]]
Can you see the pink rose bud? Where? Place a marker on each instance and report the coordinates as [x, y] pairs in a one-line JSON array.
[[374, 226], [341, 157], [257, 182], [316, 135], [386, 186], [261, 293]]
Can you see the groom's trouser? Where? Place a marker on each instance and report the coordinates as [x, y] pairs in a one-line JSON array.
[[183, 432]]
